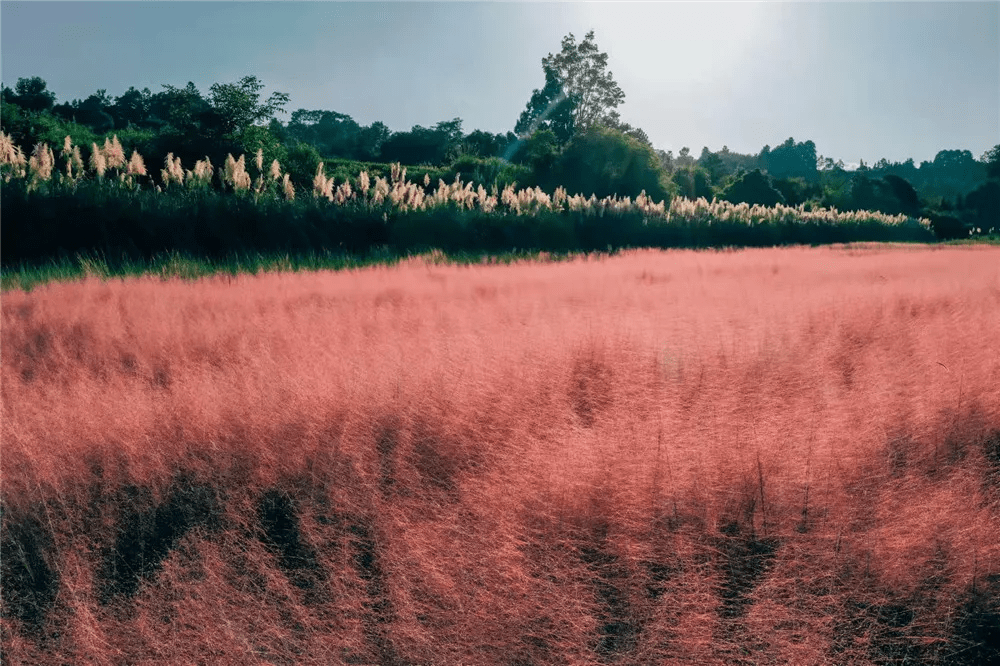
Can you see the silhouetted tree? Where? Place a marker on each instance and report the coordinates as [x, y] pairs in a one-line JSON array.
[[239, 105], [422, 145], [797, 190], [333, 134], [182, 109], [93, 112], [370, 140], [753, 188], [909, 202], [132, 108], [983, 204], [483, 144], [32, 94]]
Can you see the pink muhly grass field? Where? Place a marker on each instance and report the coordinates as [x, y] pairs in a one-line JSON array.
[[761, 456]]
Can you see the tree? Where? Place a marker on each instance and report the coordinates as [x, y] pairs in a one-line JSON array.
[[983, 204], [548, 109], [666, 160], [797, 190], [239, 106], [606, 162], [636, 133], [131, 108], [370, 140], [451, 135], [333, 134], [183, 109], [300, 163], [693, 182], [712, 163], [483, 144], [790, 160], [992, 160], [539, 151], [33, 94], [684, 158], [423, 145], [753, 188], [93, 112], [581, 70], [909, 202]]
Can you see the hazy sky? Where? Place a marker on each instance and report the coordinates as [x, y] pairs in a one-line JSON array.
[[862, 80]]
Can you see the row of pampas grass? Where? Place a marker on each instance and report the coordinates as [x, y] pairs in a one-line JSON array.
[[112, 205], [403, 194]]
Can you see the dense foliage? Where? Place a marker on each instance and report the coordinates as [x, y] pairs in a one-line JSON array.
[[570, 135], [104, 201]]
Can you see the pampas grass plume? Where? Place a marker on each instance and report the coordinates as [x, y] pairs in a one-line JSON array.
[[319, 182], [98, 162], [114, 154], [136, 167], [41, 163]]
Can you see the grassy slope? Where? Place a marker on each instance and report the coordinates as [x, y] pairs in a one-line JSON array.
[[764, 456]]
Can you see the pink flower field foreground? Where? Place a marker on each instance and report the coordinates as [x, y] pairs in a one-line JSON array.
[[781, 456]]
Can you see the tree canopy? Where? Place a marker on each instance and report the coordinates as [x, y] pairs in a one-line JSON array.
[[239, 104], [582, 71]]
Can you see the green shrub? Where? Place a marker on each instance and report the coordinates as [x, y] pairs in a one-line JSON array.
[[605, 162], [693, 183], [753, 188], [301, 163], [490, 172], [947, 227]]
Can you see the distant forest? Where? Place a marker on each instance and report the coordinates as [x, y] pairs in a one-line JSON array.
[[955, 188]]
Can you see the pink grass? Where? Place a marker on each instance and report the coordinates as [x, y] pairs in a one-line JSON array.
[[540, 463]]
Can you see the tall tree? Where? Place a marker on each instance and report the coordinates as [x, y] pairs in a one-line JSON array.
[[582, 71], [239, 104]]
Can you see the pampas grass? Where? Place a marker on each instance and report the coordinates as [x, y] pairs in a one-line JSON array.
[[172, 171], [40, 165], [136, 165], [114, 154], [13, 163], [98, 161]]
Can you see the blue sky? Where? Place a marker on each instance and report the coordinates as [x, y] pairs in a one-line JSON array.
[[862, 80]]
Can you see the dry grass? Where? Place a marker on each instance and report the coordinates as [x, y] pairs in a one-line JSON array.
[[767, 456]]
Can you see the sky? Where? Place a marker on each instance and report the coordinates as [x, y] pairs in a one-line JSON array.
[[871, 80]]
